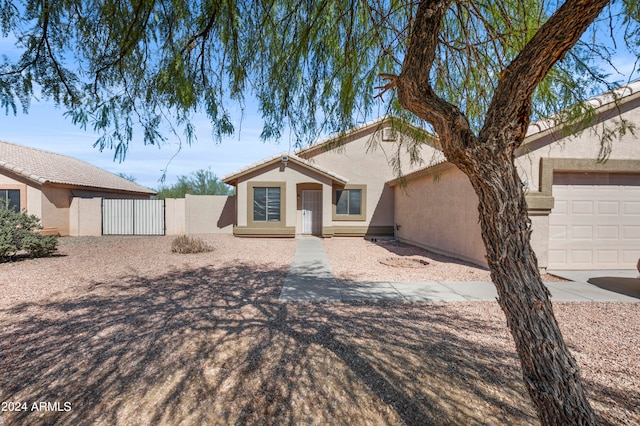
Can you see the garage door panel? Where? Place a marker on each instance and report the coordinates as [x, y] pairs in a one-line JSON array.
[[582, 232], [607, 232], [609, 208], [560, 256], [560, 206], [558, 232], [631, 208], [608, 256], [595, 222], [581, 207], [584, 257], [630, 256], [631, 232]]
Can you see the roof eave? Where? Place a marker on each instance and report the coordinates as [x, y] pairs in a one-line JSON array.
[[233, 179]]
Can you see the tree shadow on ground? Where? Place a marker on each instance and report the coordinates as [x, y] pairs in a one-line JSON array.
[[215, 346], [627, 286]]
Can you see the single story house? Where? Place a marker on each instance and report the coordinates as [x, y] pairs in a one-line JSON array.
[[46, 184], [336, 187], [585, 214]]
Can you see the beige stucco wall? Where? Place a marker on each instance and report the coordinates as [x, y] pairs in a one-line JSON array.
[[85, 217], [175, 216], [585, 145], [366, 159], [292, 175], [55, 208], [31, 200], [441, 214], [209, 214]]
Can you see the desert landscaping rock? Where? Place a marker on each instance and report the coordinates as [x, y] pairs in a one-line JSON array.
[[130, 333]]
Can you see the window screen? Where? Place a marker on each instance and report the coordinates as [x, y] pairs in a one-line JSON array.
[[10, 198], [266, 204], [349, 201]]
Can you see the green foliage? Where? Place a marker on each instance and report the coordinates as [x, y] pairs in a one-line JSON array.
[[200, 182], [122, 67], [19, 232], [184, 244], [130, 178]]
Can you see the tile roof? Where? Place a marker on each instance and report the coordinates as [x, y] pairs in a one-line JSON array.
[[622, 94], [276, 158], [360, 128], [48, 167]]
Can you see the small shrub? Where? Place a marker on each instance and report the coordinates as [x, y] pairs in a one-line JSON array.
[[38, 245], [20, 231], [184, 244]]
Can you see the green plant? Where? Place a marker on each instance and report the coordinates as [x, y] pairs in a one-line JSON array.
[[21, 231], [200, 182], [184, 244]]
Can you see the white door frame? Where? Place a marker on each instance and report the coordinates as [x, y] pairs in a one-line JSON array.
[[312, 211]]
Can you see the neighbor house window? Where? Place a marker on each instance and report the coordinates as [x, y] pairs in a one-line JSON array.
[[266, 204], [10, 198], [349, 202]]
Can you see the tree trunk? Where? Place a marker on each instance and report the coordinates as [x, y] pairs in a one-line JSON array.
[[549, 371]]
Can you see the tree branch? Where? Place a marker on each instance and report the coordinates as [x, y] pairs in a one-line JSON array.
[[414, 87], [510, 107], [391, 84]]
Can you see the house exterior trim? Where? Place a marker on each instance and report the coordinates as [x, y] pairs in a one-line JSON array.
[[283, 206], [548, 166], [363, 204], [362, 231], [246, 231]]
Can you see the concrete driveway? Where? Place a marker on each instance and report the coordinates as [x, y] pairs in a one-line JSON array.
[[620, 281]]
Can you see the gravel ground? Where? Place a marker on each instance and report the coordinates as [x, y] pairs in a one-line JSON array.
[[355, 259], [126, 332]]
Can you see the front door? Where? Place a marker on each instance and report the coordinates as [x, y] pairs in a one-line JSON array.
[[312, 212]]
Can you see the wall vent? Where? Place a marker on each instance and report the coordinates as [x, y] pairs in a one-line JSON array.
[[388, 134]]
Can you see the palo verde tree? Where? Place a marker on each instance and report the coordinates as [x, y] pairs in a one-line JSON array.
[[473, 72]]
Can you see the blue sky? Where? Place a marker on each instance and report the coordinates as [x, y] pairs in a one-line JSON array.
[[45, 127]]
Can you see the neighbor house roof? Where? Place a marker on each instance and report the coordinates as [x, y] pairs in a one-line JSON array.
[[540, 128], [233, 177], [45, 167]]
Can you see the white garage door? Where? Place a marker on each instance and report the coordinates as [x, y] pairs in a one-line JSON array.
[[595, 222]]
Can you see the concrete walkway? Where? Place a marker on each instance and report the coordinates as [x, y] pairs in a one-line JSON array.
[[311, 279]]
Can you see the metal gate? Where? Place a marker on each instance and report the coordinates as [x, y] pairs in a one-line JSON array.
[[132, 217]]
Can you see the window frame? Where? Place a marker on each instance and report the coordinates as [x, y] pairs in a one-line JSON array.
[[251, 222], [270, 210], [363, 203], [22, 194]]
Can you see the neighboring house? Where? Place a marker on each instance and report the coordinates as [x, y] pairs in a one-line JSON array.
[[584, 214], [333, 188], [47, 184]]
